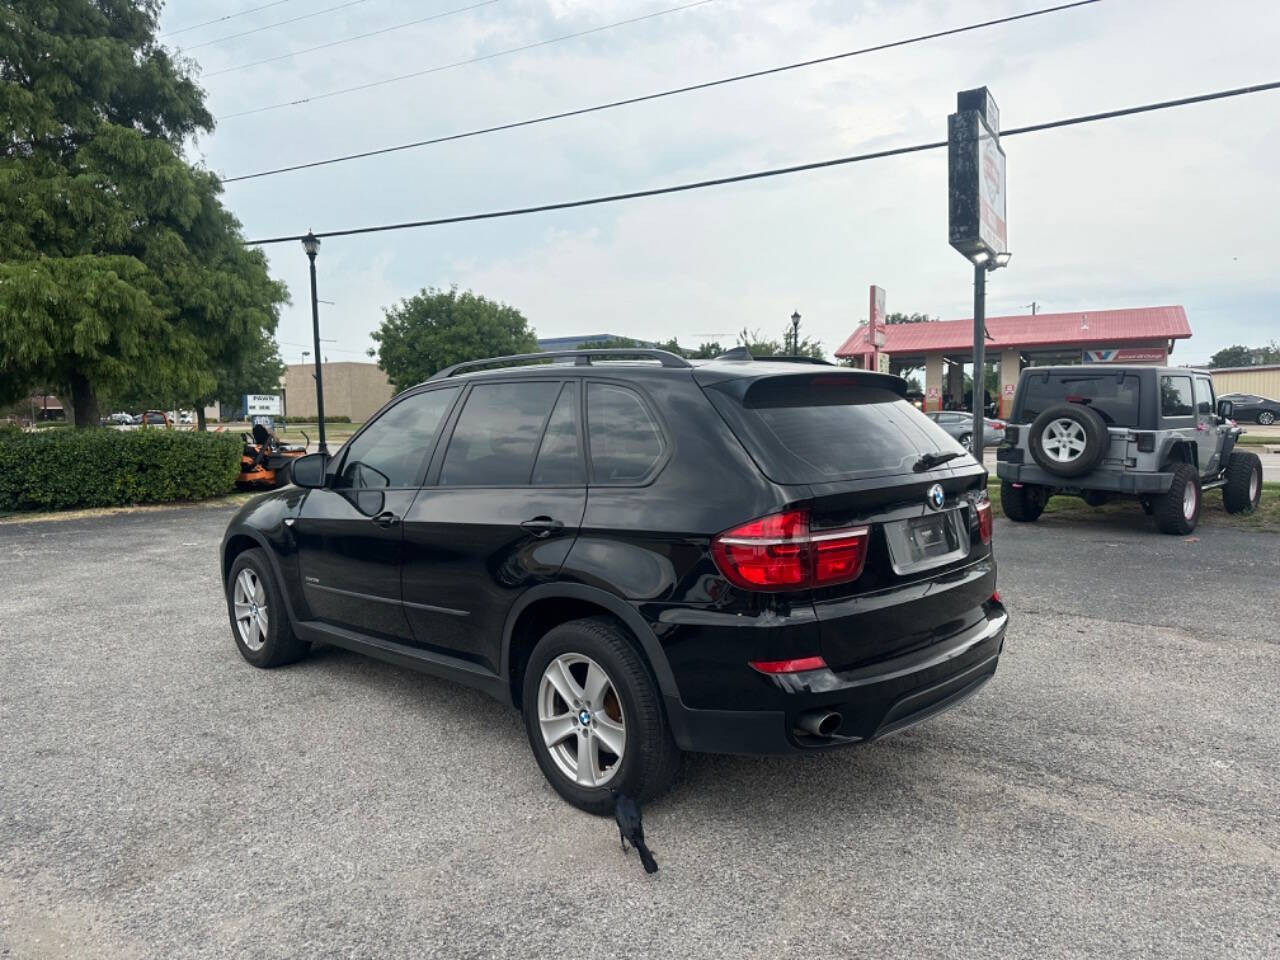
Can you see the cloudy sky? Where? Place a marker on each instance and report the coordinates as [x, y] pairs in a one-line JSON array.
[[1178, 206]]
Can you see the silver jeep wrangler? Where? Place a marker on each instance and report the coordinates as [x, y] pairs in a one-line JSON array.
[[1154, 433]]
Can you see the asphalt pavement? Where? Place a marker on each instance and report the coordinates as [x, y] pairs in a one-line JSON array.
[[1111, 793]]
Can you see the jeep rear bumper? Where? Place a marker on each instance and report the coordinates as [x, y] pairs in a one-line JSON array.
[[1108, 480]]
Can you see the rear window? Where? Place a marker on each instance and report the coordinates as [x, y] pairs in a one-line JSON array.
[[813, 430], [1113, 396]]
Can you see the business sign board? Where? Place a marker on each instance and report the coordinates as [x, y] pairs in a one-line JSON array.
[[883, 359], [261, 403], [977, 220], [1126, 355]]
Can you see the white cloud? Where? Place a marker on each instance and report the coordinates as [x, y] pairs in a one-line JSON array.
[[1171, 207]]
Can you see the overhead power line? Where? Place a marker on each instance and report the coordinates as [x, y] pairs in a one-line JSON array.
[[229, 16], [462, 63], [362, 36], [272, 26], [774, 172], [674, 91]]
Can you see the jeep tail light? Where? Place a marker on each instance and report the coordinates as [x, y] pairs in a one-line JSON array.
[[984, 520], [1146, 443], [778, 552], [797, 665], [1011, 434]]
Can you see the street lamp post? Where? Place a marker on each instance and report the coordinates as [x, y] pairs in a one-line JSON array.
[[795, 333], [311, 244]]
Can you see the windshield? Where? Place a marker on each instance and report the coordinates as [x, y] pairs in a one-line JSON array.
[[1113, 396], [817, 429]]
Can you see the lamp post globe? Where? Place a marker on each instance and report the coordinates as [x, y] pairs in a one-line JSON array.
[[795, 332]]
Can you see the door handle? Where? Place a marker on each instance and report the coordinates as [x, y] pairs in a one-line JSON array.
[[386, 519], [542, 526]]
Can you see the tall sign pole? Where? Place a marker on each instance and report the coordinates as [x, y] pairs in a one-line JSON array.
[[875, 325], [976, 219]]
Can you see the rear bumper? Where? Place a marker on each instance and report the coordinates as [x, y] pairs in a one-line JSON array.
[[1113, 481], [873, 700]]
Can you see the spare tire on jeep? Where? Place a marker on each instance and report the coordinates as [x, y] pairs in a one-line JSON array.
[[1068, 439]]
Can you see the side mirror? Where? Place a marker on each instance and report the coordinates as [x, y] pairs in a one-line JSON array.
[[1224, 409], [309, 471]]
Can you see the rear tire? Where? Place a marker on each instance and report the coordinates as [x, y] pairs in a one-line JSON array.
[[259, 620], [1023, 504], [1178, 511], [649, 759], [1094, 498], [1243, 489]]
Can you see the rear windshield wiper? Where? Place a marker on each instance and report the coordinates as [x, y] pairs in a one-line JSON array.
[[931, 460]]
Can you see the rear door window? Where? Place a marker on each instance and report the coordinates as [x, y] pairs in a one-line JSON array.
[[498, 433], [1113, 396], [560, 456], [825, 428], [1176, 398], [625, 441]]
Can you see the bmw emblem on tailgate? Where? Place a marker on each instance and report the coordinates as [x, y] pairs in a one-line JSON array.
[[935, 497]]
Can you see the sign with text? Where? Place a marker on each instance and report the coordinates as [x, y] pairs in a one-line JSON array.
[[265, 404], [1126, 355], [976, 177]]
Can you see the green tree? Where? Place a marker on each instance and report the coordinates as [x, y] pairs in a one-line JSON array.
[[895, 318], [1241, 356], [437, 328], [759, 347], [118, 265]]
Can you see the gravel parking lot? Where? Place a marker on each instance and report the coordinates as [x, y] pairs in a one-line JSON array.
[[1112, 793]]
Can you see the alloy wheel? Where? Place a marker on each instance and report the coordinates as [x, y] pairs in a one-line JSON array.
[[1254, 477], [250, 602], [1266, 418], [580, 716], [1063, 440], [1189, 501]]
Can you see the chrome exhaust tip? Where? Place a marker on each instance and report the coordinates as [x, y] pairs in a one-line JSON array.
[[819, 723]]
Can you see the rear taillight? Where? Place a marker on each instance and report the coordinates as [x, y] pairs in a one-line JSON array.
[[778, 552], [1011, 434], [984, 520], [1146, 442]]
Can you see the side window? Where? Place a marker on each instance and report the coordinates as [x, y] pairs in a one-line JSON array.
[[1204, 397], [559, 458], [1175, 397], [390, 452], [497, 434], [625, 441]]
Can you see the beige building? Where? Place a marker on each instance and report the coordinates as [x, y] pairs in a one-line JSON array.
[[351, 389], [1262, 381]]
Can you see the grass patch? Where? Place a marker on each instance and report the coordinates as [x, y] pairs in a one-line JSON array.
[[1128, 513], [1257, 440]]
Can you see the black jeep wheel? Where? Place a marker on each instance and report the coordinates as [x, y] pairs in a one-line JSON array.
[[1068, 439], [1244, 483], [1178, 511], [1095, 498], [1023, 504]]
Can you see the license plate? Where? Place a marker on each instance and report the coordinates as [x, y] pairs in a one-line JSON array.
[[920, 543]]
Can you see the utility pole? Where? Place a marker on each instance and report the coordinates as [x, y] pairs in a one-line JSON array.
[[1035, 307]]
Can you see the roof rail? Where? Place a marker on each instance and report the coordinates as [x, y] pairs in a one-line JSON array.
[[737, 353], [582, 358]]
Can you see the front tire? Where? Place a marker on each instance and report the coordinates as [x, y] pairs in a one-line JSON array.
[[259, 621], [1243, 488], [966, 441], [593, 714], [1178, 511], [1023, 504]]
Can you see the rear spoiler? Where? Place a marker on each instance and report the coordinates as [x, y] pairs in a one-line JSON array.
[[743, 380]]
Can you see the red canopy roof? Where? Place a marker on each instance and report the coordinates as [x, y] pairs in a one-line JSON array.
[[1092, 328]]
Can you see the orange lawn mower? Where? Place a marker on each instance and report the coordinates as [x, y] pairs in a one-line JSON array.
[[264, 463]]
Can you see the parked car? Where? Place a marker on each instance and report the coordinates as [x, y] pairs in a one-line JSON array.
[[1152, 433], [186, 417], [642, 556], [959, 424], [1250, 406], [120, 419]]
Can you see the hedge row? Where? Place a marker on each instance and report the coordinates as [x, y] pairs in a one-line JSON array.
[[58, 469]]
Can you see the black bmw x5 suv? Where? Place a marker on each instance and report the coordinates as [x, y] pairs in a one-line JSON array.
[[642, 555]]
